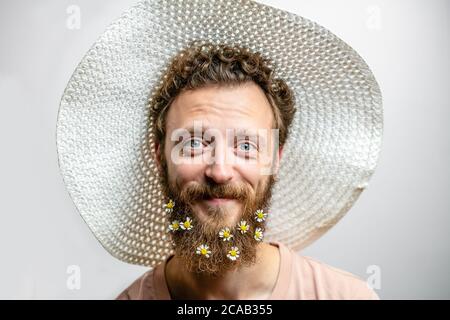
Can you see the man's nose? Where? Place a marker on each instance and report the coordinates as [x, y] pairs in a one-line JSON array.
[[219, 172], [220, 168]]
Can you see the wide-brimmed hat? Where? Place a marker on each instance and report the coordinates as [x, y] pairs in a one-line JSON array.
[[103, 126]]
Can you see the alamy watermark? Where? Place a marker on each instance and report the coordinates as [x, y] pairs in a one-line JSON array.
[[197, 145], [374, 279], [73, 21], [73, 281]]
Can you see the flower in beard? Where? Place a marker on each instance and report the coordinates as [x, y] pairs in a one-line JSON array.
[[233, 253], [174, 225], [258, 235], [260, 215], [225, 234], [243, 226], [203, 250], [168, 207], [187, 224]]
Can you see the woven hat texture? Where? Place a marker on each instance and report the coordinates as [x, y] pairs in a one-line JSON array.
[[104, 147]]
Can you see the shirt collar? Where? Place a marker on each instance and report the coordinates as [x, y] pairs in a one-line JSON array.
[[279, 291]]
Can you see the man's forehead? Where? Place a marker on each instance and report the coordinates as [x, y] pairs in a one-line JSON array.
[[244, 106], [197, 127]]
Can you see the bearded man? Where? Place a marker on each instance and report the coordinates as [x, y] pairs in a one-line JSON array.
[[213, 140], [212, 104]]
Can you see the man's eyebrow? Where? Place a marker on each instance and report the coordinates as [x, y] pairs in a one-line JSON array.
[[237, 131], [191, 130], [252, 133]]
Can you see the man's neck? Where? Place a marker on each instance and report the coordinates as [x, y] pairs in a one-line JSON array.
[[254, 282]]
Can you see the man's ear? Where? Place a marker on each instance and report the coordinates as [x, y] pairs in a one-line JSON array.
[[280, 153], [157, 157], [278, 160]]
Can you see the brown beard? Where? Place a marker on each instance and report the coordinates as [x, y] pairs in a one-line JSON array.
[[185, 242]]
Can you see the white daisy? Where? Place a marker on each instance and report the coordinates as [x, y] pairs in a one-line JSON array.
[[260, 215], [187, 225], [169, 206], [243, 226], [174, 225], [258, 234], [225, 234], [233, 254], [203, 250]]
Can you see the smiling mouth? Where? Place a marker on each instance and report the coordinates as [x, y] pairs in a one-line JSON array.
[[218, 200]]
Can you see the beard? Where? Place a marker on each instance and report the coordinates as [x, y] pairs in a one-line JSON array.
[[186, 242]]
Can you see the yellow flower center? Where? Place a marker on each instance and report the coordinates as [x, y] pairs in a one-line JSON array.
[[187, 224], [260, 215], [244, 227], [226, 234], [170, 205], [233, 253], [258, 234], [204, 251], [175, 225]]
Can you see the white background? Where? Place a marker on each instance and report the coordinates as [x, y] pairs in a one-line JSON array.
[[400, 223]]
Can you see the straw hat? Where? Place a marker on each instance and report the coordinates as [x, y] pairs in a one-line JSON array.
[[106, 157]]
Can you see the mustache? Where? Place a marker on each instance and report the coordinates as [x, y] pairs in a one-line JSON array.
[[196, 191]]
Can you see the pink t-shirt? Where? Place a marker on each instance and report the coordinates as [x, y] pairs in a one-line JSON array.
[[299, 278]]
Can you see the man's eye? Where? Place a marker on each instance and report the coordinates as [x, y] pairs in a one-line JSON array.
[[247, 146], [192, 147], [194, 143]]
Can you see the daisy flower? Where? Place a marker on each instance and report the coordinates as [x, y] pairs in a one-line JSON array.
[[233, 254], [187, 225], [243, 226], [203, 250], [174, 225], [169, 206], [258, 234], [225, 233], [260, 215]]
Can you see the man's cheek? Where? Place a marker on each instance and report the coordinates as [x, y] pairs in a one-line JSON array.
[[183, 172]]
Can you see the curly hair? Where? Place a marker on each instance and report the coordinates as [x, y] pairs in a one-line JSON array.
[[202, 64]]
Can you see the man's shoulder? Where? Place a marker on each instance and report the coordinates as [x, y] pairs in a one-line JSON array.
[[329, 282], [140, 289]]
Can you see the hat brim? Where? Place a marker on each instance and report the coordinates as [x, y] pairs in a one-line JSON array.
[[103, 130]]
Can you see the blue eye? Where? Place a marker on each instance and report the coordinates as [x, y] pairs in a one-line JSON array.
[[193, 147], [195, 143], [247, 146]]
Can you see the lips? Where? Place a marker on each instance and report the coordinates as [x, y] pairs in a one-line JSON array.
[[218, 200]]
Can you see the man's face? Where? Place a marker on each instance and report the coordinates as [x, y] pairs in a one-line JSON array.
[[216, 173]]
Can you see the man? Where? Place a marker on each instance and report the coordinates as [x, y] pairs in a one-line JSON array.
[[213, 140], [220, 253]]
